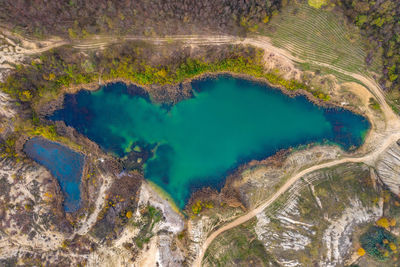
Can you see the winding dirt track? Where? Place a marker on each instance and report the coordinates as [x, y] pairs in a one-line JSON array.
[[391, 134], [99, 42], [368, 158], [102, 41]]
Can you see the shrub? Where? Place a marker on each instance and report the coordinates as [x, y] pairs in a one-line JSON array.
[[376, 242], [383, 222]]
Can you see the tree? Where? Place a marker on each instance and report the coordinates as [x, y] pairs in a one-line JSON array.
[[383, 222]]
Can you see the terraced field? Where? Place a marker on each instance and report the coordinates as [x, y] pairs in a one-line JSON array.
[[319, 36]]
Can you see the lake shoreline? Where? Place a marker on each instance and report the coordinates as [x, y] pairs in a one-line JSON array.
[[49, 107], [259, 81]]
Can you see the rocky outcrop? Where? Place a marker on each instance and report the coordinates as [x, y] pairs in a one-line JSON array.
[[388, 168], [337, 238], [256, 183], [166, 252], [9, 54]]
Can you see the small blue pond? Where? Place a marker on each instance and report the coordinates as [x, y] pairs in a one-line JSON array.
[[64, 164]]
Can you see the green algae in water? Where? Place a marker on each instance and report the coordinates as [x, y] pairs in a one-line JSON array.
[[199, 140]]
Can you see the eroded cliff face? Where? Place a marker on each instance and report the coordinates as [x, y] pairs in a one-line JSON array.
[[10, 52], [315, 211], [35, 228], [118, 225], [253, 184], [258, 182], [388, 168]]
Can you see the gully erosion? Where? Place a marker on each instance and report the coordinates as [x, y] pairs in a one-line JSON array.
[[383, 133]]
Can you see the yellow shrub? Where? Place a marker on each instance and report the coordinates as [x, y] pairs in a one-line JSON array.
[[27, 95], [383, 222], [209, 205], [162, 73], [361, 252], [129, 214], [197, 207]]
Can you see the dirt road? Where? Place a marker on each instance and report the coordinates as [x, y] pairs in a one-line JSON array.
[[366, 159], [101, 41], [391, 134]]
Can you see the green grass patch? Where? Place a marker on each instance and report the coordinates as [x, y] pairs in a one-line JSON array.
[[150, 217], [374, 104]]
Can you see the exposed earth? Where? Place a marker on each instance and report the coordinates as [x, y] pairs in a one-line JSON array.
[[312, 205]]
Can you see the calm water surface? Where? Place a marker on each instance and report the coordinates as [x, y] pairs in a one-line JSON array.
[[64, 164], [198, 141]]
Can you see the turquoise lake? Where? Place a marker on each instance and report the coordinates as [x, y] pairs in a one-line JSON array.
[[64, 164], [198, 141]]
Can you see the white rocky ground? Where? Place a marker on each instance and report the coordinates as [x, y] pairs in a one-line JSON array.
[[29, 186], [10, 52], [160, 250], [388, 168], [257, 184], [337, 237], [26, 197], [14, 49], [166, 230], [296, 233]]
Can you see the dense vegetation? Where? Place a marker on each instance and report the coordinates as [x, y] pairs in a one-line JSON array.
[[80, 18], [43, 78], [379, 21], [379, 243]]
